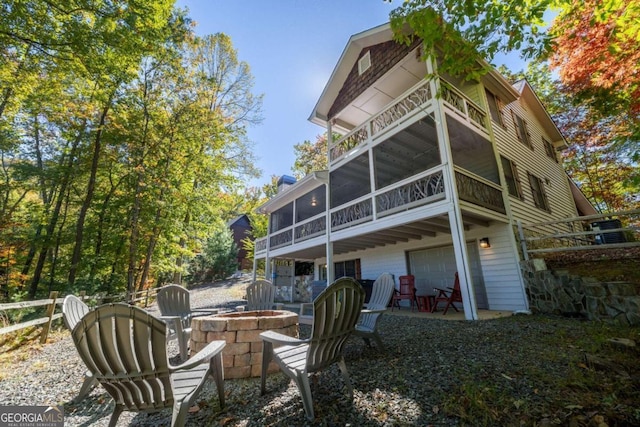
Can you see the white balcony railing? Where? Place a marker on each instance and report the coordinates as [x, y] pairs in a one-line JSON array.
[[424, 190], [462, 105], [416, 99]]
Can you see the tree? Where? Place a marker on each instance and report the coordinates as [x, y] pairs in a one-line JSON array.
[[122, 142], [310, 156], [597, 55], [595, 161], [594, 46], [219, 259]]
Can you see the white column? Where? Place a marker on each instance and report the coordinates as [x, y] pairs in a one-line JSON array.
[[455, 215], [329, 244]]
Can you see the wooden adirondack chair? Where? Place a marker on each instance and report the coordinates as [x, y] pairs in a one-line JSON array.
[[175, 309], [407, 291], [336, 311], [126, 350], [448, 296], [74, 309], [260, 296], [381, 294]]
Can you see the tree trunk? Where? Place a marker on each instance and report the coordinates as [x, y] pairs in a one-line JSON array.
[[53, 220], [150, 247], [97, 148]]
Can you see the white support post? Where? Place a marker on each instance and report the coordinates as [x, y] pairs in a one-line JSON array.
[[462, 265], [329, 244]]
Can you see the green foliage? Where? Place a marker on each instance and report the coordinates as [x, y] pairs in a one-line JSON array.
[[596, 160], [311, 156], [125, 142], [218, 261], [593, 45], [460, 31]]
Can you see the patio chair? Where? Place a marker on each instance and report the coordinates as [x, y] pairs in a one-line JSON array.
[[336, 311], [305, 316], [260, 296], [448, 296], [126, 350], [74, 309], [407, 291], [381, 294], [175, 309]]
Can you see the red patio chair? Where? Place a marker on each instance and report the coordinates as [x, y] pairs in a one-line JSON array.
[[407, 291], [448, 296]]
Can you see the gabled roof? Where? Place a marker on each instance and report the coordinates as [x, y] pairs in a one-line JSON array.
[[537, 108], [356, 43], [376, 35], [236, 219]]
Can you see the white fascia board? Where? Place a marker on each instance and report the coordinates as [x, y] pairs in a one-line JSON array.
[[289, 194], [538, 109]]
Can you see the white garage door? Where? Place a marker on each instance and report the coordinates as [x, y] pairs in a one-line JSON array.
[[436, 267]]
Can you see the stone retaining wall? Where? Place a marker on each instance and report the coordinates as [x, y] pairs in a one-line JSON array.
[[242, 356], [561, 293]]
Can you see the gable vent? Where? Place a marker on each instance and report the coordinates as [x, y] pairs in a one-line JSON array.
[[364, 63]]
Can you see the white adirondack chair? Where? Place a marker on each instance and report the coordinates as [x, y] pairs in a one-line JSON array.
[[175, 309], [74, 309], [126, 350], [381, 294], [336, 311]]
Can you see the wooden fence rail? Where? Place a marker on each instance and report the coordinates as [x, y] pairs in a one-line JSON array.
[[53, 302]]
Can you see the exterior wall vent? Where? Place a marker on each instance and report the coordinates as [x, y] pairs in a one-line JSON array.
[[364, 63]]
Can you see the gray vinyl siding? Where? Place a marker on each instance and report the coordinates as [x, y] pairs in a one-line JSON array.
[[537, 163]]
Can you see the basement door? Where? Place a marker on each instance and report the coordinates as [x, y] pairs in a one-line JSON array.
[[436, 267]]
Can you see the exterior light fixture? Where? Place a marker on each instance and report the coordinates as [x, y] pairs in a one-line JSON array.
[[484, 243], [314, 202]]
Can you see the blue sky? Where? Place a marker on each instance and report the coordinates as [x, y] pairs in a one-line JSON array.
[[291, 47]]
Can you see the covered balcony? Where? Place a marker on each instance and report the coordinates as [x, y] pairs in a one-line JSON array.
[[382, 178]]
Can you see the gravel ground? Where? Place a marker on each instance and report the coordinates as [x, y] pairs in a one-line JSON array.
[[409, 384]]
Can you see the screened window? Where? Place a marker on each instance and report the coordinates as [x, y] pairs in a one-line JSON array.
[[311, 204], [538, 193], [407, 153], [350, 181], [282, 218], [471, 151], [512, 178]]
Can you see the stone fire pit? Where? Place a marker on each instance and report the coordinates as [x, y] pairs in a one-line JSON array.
[[242, 356]]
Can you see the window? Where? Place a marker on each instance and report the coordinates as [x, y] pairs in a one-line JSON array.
[[521, 130], [495, 108], [548, 148], [282, 218], [350, 181], [406, 153], [512, 178], [349, 268], [537, 191]]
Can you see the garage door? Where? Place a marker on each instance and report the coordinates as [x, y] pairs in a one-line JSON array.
[[436, 267]]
